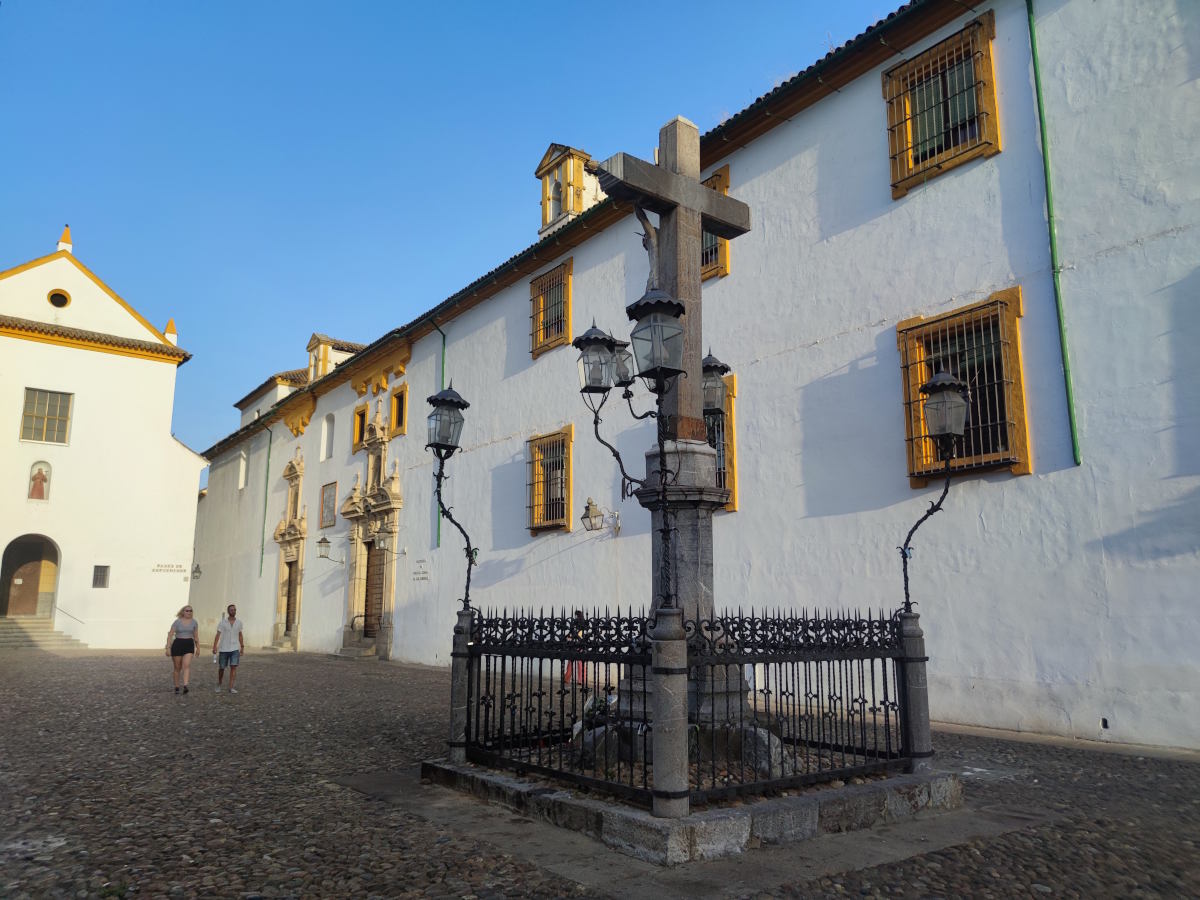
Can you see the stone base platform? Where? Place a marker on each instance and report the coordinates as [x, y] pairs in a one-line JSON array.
[[710, 833]]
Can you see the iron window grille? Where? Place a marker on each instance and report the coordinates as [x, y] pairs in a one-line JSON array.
[[550, 481], [46, 416], [99, 576], [714, 251], [981, 345], [550, 309], [941, 107], [719, 429]]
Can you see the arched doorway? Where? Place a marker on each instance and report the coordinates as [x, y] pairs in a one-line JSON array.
[[29, 577]]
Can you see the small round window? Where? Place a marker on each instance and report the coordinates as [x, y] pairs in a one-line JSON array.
[[59, 299]]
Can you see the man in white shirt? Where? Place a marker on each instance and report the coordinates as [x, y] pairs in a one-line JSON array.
[[229, 643]]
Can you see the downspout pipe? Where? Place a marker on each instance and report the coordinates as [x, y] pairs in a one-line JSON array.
[[1055, 264], [441, 386], [262, 548]]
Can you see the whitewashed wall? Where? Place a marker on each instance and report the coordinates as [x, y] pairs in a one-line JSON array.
[[122, 494], [1050, 601]]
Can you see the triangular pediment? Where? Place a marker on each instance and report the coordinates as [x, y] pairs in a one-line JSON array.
[[553, 154], [92, 306]]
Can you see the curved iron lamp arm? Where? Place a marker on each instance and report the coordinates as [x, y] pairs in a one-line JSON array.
[[906, 550], [472, 552]]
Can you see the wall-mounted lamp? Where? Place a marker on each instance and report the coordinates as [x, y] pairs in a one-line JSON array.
[[593, 517], [196, 573], [323, 551]]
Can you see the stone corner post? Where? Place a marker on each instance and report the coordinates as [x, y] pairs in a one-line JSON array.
[[918, 740], [670, 734], [460, 677]]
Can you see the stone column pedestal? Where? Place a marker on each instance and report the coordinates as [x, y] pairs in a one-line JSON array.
[[460, 675], [918, 738], [670, 734]]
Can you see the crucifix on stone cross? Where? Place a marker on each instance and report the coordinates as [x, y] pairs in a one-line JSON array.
[[685, 208]]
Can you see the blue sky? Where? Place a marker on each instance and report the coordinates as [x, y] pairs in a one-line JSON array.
[[261, 170]]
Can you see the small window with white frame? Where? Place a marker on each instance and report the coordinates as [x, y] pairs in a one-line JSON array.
[[99, 576]]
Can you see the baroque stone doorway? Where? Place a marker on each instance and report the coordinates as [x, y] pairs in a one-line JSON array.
[[289, 535], [29, 577], [289, 617]]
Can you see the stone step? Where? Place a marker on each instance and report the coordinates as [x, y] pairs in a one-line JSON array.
[[356, 652], [26, 624], [12, 640]]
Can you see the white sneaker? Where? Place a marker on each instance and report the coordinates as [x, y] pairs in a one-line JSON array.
[[233, 690], [218, 689]]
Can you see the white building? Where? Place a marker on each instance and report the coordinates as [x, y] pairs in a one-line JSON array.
[[97, 498], [894, 232]]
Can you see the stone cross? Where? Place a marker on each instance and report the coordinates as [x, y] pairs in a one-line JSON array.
[[685, 207]]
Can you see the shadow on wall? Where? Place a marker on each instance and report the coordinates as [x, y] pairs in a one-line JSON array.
[[1173, 529], [510, 505], [852, 443]]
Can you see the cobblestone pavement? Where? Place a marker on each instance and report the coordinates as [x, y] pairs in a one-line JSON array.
[[110, 785]]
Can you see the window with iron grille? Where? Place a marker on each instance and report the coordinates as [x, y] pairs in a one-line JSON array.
[[46, 416], [550, 309], [550, 480], [941, 107], [99, 576], [981, 345], [714, 251], [722, 438]]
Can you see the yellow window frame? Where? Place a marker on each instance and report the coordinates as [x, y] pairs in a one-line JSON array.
[[540, 340], [539, 447], [718, 265], [359, 426], [975, 40], [1001, 310], [398, 411]]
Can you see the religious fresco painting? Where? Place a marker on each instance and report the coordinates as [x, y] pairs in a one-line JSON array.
[[39, 481], [329, 505]]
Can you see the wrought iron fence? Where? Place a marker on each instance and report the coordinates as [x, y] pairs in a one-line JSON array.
[[773, 700], [563, 695], [788, 700]]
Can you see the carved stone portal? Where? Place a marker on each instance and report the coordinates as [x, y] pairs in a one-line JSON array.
[[373, 513], [289, 535]]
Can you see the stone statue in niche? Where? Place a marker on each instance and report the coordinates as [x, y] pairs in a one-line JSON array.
[[39, 481]]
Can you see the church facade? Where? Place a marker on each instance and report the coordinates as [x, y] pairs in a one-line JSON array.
[[97, 514], [900, 226]]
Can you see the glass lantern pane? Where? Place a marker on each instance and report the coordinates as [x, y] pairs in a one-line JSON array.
[[714, 391]]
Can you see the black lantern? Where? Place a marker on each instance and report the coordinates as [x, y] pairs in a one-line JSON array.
[[946, 406], [657, 338], [446, 421], [323, 547], [714, 383], [623, 371], [595, 360]]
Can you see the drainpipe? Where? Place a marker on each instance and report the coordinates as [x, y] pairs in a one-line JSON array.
[[441, 386], [262, 548], [1055, 265]]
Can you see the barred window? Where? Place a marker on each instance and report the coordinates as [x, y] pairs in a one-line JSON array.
[[99, 576], [46, 416], [981, 345], [550, 309], [714, 251], [722, 437], [550, 480], [941, 107]]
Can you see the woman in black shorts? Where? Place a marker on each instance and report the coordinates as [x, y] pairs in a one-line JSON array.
[[183, 641]]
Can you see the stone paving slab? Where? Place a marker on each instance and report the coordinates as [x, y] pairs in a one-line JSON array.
[[712, 833], [112, 786]]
